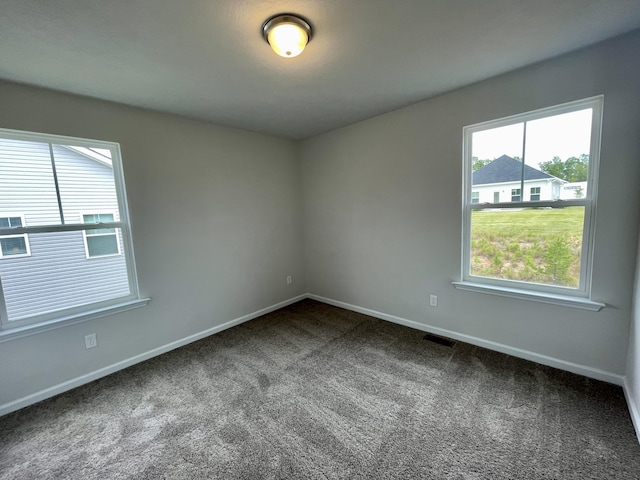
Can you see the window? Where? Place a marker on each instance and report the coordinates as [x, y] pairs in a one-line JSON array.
[[70, 193], [535, 194], [100, 242], [544, 248], [13, 245], [475, 197]]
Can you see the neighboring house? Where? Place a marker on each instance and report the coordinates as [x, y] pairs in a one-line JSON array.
[[499, 181], [573, 190], [47, 271]]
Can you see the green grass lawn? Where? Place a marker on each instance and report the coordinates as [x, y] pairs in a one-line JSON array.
[[533, 245]]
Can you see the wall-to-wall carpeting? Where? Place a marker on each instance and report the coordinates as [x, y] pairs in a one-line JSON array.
[[314, 391]]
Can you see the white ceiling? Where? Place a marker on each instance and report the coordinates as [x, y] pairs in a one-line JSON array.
[[206, 59]]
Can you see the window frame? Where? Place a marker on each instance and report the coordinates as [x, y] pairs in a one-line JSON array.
[[86, 235], [23, 235], [579, 297], [37, 323]]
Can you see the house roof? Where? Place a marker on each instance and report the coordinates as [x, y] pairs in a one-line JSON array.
[[506, 169], [97, 154]]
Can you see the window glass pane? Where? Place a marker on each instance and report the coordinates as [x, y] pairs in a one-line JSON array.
[[560, 145], [538, 245], [99, 218], [496, 154], [26, 182], [86, 182], [556, 154], [13, 246], [99, 245], [4, 222], [15, 222], [58, 276], [98, 231], [487, 145], [535, 194]]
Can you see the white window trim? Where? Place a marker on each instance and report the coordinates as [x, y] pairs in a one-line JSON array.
[[36, 324], [523, 294], [98, 226], [572, 297], [64, 321], [23, 235]]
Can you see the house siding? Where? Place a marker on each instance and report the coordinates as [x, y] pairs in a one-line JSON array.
[[548, 190], [57, 274], [571, 191]]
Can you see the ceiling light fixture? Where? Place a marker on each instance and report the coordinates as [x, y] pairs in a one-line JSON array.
[[287, 34]]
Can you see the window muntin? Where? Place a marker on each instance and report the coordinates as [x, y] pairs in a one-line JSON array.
[[12, 246], [100, 242], [543, 242], [53, 181]]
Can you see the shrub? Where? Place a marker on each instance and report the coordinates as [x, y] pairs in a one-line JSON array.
[[558, 260]]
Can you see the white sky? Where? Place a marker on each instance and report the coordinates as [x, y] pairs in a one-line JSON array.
[[566, 135]]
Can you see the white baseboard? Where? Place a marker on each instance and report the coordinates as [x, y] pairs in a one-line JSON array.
[[102, 372], [634, 408], [498, 347]]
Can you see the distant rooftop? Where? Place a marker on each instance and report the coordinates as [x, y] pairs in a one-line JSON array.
[[506, 169]]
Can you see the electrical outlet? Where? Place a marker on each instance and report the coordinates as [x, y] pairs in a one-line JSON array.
[[90, 340], [433, 300], [289, 280]]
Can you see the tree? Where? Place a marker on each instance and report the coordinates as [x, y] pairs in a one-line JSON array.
[[477, 163], [573, 169]]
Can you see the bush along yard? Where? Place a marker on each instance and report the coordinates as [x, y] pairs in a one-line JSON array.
[[534, 245]]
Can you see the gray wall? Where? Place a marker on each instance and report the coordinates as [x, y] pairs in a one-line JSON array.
[[382, 211], [216, 228]]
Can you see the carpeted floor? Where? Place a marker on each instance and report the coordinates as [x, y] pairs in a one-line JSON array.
[[314, 391]]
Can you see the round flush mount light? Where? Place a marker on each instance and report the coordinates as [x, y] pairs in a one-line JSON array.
[[287, 34]]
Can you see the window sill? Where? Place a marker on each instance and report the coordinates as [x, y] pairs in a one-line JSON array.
[[550, 298], [26, 330]]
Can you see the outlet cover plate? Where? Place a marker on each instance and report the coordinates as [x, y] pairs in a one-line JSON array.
[[90, 340]]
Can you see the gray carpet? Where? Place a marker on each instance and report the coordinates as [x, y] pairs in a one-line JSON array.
[[313, 391]]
